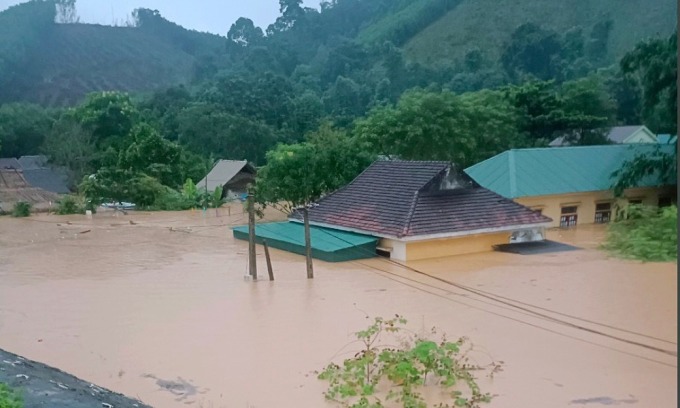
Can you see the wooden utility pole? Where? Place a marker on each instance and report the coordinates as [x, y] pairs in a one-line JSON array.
[[252, 260], [269, 261], [308, 244]]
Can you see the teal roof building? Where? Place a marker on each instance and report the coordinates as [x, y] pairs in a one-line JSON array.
[[549, 171]]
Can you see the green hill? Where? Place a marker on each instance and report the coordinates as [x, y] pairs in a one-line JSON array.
[[58, 64], [487, 24], [79, 58]]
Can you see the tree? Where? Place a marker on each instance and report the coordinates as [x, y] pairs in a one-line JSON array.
[[659, 163], [110, 116], [149, 154], [532, 50], [579, 111], [442, 126], [299, 174], [653, 65], [244, 33], [23, 128], [66, 12], [71, 146]]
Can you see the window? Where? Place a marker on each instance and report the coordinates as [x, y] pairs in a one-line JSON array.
[[569, 216], [666, 201], [603, 213], [635, 201]]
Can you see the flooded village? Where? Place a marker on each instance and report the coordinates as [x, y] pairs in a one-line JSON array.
[[155, 306], [343, 203]]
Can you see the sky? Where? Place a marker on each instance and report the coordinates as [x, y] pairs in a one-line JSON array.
[[214, 16]]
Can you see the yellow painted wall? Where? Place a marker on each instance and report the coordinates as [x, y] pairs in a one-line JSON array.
[[454, 246], [552, 204]]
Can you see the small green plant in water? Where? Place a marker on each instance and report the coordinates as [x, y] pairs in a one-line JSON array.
[[379, 374], [10, 398], [21, 209]]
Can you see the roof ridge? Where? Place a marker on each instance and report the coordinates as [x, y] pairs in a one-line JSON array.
[[512, 173], [411, 211], [612, 146]]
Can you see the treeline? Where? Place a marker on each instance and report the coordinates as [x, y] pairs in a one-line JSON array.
[[304, 87]]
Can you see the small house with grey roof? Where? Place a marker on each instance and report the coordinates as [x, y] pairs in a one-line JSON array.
[[233, 176]]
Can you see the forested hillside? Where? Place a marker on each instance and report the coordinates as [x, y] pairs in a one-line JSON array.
[[332, 88], [487, 24]]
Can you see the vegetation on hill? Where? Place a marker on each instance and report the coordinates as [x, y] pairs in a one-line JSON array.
[[305, 84], [487, 24]]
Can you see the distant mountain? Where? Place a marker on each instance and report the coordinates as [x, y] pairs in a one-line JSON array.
[[58, 64]]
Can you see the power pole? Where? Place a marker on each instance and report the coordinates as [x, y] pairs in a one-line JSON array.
[[252, 260], [308, 244], [269, 261]]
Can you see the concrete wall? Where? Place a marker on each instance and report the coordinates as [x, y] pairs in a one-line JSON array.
[[436, 248], [551, 205]]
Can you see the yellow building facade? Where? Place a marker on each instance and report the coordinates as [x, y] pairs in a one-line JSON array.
[[595, 207]]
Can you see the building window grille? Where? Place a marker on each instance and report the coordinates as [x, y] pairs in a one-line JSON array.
[[603, 213], [569, 217]]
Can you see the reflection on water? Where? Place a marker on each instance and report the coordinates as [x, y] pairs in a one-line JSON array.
[[155, 306]]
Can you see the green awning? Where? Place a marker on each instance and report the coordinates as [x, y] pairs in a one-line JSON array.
[[327, 244]]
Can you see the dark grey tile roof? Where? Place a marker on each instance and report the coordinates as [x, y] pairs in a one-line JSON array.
[[404, 198], [33, 162], [9, 163], [47, 179]]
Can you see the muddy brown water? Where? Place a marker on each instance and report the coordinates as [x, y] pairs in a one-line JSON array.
[[155, 306]]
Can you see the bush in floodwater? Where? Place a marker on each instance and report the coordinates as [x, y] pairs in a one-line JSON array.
[[10, 398], [378, 374], [646, 234], [70, 205], [21, 209]]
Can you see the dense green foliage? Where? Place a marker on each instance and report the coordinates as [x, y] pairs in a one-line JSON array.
[[646, 233], [381, 373], [299, 174], [21, 209], [316, 95], [10, 398], [70, 204]]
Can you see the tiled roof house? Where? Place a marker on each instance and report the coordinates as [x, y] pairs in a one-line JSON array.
[[423, 210]]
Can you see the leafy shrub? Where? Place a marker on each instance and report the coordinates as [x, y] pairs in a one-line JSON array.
[[10, 398], [216, 200], [21, 209], [171, 200], [645, 233], [70, 205], [399, 374]]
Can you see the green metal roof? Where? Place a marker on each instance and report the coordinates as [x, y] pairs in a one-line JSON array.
[[327, 244], [666, 139], [558, 170]]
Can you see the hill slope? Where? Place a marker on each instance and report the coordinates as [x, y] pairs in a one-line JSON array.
[[76, 59], [487, 24]]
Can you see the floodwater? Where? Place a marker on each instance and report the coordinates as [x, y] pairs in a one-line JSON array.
[[155, 306]]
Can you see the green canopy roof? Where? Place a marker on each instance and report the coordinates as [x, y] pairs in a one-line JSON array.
[[327, 244], [558, 170]]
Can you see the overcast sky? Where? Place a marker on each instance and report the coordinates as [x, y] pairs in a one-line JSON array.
[[215, 16]]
